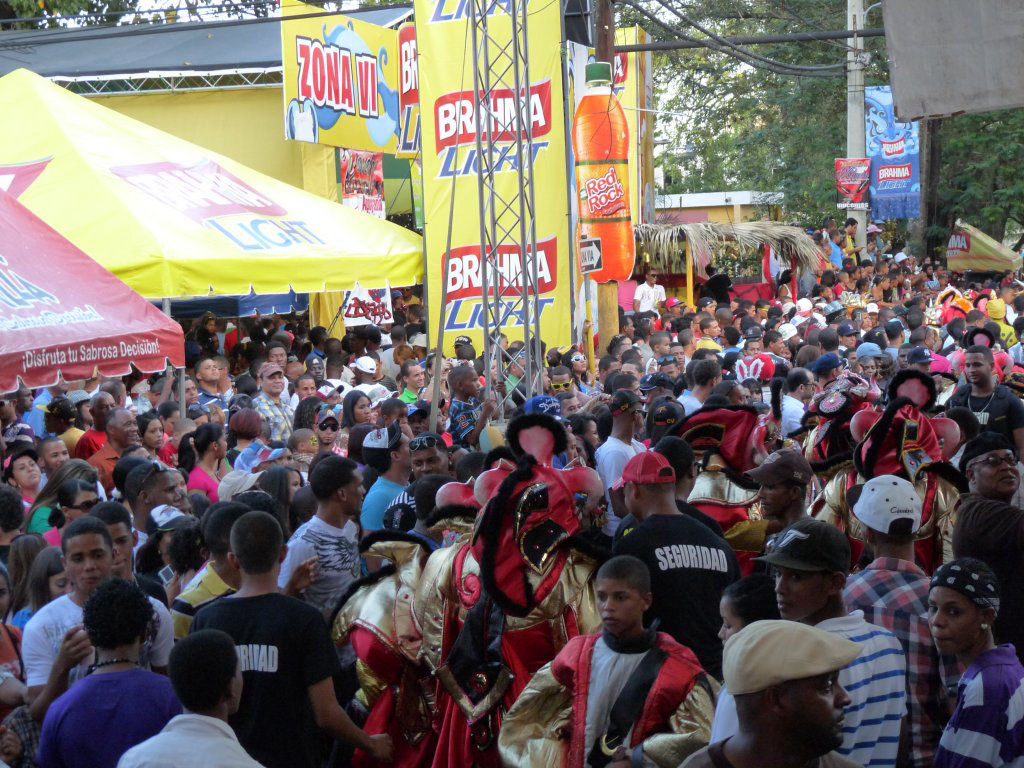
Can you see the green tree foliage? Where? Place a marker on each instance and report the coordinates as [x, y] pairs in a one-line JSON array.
[[980, 179], [741, 127]]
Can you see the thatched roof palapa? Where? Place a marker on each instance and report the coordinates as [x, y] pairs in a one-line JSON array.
[[666, 241]]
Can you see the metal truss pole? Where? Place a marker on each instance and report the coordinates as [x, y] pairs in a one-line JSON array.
[[508, 230]]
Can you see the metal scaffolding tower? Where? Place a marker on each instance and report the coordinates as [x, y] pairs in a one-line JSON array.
[[508, 230]]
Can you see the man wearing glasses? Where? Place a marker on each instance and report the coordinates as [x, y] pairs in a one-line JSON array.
[[990, 528], [326, 424]]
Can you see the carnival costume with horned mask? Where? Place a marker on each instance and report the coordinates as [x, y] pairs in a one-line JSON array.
[[729, 441], [904, 441], [500, 603], [375, 618]]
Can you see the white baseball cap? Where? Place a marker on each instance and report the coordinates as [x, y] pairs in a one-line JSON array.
[[890, 505], [804, 305], [872, 309], [366, 364], [787, 331]]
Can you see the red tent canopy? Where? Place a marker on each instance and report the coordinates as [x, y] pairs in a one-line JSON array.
[[61, 313]]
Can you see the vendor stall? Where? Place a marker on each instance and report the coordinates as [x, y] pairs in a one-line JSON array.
[[971, 250]]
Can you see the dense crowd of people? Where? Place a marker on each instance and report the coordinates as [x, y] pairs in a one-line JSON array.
[[777, 532]]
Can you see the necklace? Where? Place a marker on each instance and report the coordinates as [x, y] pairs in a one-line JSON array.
[[981, 414], [110, 663]]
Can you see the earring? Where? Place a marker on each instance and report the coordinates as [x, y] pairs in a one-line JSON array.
[[984, 626]]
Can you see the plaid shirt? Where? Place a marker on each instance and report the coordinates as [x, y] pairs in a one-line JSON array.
[[278, 415], [894, 594]]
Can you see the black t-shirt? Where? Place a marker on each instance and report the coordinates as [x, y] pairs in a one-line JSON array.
[[690, 566], [151, 587], [629, 523], [285, 647], [1004, 410]]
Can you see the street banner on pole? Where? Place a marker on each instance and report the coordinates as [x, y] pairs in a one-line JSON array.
[[408, 92], [853, 175], [340, 80], [894, 150], [450, 167]]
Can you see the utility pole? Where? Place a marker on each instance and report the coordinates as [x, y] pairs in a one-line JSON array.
[[855, 140], [607, 293]]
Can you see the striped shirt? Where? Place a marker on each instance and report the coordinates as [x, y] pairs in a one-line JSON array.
[[894, 595], [987, 727], [876, 682], [203, 589]]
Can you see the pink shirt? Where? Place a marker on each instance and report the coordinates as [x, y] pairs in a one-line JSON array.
[[199, 480], [52, 537]]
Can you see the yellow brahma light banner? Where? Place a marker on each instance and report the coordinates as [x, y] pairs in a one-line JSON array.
[[340, 80], [450, 167]]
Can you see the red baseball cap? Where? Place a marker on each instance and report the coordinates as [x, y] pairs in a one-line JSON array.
[[647, 468]]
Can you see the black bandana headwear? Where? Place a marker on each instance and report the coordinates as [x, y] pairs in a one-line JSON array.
[[972, 579]]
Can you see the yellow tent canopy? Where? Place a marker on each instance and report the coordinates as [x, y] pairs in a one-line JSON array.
[[170, 218], [970, 249]]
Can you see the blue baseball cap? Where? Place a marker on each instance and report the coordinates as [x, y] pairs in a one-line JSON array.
[[827, 362], [543, 404], [868, 349]]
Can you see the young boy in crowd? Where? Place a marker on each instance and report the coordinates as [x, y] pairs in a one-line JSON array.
[[628, 696], [467, 415]]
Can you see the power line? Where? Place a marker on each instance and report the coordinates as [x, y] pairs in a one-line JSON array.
[[790, 37], [727, 48], [749, 54]]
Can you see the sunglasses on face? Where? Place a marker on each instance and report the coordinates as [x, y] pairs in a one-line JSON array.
[[329, 426], [85, 506], [558, 387]]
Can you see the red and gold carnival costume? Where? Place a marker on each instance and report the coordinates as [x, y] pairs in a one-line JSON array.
[[376, 618], [729, 441], [903, 441], [829, 445], [498, 605], [546, 726]]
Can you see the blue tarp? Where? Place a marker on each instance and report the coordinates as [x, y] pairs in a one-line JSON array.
[[241, 306]]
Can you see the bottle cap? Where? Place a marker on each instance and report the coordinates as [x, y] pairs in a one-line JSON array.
[[598, 71]]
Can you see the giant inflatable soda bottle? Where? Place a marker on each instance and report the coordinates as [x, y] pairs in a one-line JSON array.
[[600, 143]]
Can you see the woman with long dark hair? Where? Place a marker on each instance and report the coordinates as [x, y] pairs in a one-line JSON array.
[[204, 462], [305, 412], [743, 602], [39, 514], [24, 550], [75, 499], [151, 433], [355, 409], [46, 581], [282, 483]]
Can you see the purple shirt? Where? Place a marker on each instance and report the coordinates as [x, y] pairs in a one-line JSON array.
[[102, 716], [894, 594], [987, 728]]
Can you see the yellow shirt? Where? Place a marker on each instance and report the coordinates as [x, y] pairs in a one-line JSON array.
[[208, 588], [70, 438]]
